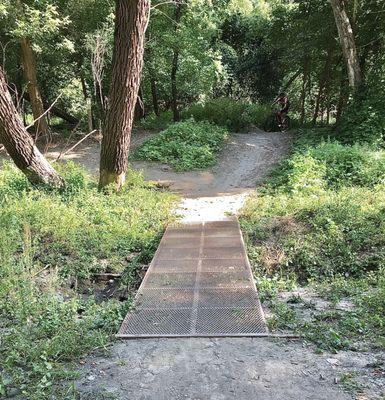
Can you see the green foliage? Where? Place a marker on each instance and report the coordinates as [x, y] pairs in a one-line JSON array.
[[50, 242], [155, 122], [331, 165], [224, 111], [185, 145], [364, 119]]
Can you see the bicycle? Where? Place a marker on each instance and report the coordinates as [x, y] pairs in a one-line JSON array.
[[273, 124]]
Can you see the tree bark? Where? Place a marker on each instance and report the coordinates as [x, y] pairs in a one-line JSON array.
[[20, 145], [131, 21], [174, 67], [154, 94], [174, 89], [30, 75], [348, 44]]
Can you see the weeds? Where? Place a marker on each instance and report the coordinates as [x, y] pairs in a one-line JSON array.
[[51, 241], [320, 221]]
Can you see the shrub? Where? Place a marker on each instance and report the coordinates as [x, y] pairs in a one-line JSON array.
[[185, 145], [155, 122], [49, 241], [222, 111], [233, 114], [256, 114], [331, 165]]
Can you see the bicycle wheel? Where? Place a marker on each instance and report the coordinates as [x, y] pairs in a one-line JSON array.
[[285, 124]]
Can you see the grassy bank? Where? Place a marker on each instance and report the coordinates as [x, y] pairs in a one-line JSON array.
[[316, 236], [53, 245]]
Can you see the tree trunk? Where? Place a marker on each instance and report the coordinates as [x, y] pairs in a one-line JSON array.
[[29, 68], [87, 100], [342, 99], [348, 44], [140, 111], [154, 94], [174, 66], [57, 111], [20, 145], [325, 75], [174, 89], [131, 20]]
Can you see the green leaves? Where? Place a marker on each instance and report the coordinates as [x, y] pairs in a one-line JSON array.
[[37, 22], [185, 145]]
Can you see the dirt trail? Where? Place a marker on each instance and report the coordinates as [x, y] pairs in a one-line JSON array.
[[213, 194], [206, 195], [223, 368]]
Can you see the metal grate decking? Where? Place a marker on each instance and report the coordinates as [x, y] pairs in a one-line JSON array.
[[198, 284]]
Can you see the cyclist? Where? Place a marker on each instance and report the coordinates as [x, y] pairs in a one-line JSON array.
[[284, 103]]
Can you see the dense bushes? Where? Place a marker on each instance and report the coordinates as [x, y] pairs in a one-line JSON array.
[[233, 114], [185, 145], [364, 119], [49, 242], [332, 165]]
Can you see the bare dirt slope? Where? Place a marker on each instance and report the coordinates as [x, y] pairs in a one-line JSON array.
[[211, 369]]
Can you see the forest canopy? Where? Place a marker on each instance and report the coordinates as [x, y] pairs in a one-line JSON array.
[[198, 50]]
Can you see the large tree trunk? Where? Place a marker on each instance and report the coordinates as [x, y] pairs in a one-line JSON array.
[[348, 44], [19, 144], [130, 25], [29, 68]]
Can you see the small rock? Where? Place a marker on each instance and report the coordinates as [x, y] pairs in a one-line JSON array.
[[91, 378], [332, 361]]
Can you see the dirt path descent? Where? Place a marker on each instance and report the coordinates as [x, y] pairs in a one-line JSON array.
[[214, 368], [211, 195]]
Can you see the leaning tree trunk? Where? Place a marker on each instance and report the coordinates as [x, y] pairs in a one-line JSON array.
[[348, 44], [20, 145], [130, 25], [30, 75]]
